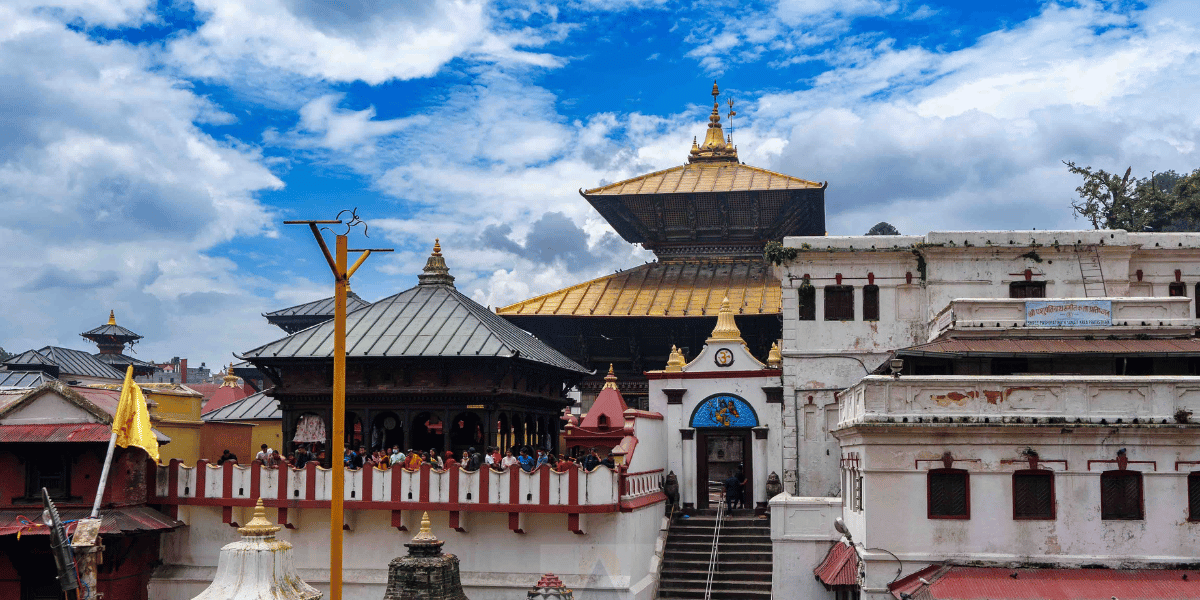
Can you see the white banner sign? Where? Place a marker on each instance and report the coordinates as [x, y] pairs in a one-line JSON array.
[[1068, 313]]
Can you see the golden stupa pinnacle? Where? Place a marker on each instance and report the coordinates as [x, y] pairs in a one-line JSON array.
[[230, 380], [610, 380], [112, 317], [726, 329], [436, 272], [775, 357], [426, 533], [714, 148], [259, 525], [675, 362]]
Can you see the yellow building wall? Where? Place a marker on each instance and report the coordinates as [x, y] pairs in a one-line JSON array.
[[269, 433], [175, 411]]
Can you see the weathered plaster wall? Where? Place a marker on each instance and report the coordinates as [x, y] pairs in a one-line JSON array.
[[801, 533]]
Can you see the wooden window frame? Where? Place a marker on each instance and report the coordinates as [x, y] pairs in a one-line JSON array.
[[807, 295], [870, 295], [1053, 494], [1141, 494], [1177, 289], [831, 292], [1013, 286], [966, 475], [33, 479], [1193, 516]]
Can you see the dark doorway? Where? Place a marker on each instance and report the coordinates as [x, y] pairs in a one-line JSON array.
[[426, 433], [720, 453], [387, 430]]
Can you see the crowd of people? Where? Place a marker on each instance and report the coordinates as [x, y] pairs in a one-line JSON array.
[[525, 458]]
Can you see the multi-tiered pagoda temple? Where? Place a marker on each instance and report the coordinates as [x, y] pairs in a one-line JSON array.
[[707, 221]]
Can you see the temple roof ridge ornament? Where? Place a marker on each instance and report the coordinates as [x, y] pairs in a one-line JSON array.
[[715, 147], [726, 329], [675, 362], [610, 380], [436, 271]]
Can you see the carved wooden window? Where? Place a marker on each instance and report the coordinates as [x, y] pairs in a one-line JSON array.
[[1177, 289], [808, 303], [1027, 289], [1193, 487], [1033, 494], [839, 303], [870, 303], [949, 492], [1121, 495]]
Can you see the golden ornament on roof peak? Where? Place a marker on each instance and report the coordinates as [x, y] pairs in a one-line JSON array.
[[675, 362], [715, 148], [259, 525], [774, 357], [426, 533], [726, 329], [436, 272], [112, 317], [610, 380]]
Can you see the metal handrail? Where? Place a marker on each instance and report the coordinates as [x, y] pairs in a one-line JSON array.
[[712, 557]]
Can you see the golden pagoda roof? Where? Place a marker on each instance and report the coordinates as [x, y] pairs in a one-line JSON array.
[[683, 288], [704, 177]]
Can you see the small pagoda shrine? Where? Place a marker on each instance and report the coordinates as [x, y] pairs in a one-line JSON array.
[[426, 573], [111, 339]]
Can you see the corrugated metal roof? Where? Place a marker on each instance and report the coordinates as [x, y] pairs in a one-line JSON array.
[[251, 408], [23, 379], [31, 358], [62, 432], [129, 519], [123, 360], [111, 330], [667, 288], [840, 566], [994, 583], [704, 177], [424, 321], [994, 346], [69, 362], [322, 307]]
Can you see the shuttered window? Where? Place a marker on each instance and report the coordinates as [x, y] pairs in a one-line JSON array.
[[1033, 494], [1121, 495], [949, 494], [1027, 289], [839, 303], [808, 303], [870, 303], [1193, 496]]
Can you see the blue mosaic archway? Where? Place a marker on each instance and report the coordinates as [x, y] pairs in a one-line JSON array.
[[724, 411]]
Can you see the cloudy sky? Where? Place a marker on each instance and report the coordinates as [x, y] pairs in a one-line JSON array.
[[149, 151]]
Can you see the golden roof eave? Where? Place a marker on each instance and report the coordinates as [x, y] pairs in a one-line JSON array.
[[615, 189]]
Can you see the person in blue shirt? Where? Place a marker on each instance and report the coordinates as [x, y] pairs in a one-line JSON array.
[[526, 461], [542, 458]]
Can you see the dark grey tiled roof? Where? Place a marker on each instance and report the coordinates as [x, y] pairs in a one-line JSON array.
[[424, 321], [109, 329], [323, 307], [78, 362], [252, 407], [23, 379]]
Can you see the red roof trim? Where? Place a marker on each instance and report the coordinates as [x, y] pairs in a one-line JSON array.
[[713, 374], [840, 566]]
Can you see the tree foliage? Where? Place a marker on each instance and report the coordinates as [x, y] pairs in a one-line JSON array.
[[883, 228], [1164, 201]]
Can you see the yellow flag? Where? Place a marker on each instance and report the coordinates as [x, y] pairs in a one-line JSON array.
[[132, 421]]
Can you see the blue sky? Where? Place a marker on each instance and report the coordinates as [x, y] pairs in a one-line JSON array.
[[149, 151]]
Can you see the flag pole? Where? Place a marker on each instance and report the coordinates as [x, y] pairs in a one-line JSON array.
[[112, 444]]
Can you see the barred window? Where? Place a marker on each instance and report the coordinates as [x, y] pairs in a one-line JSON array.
[[1033, 494], [1193, 486], [870, 303], [839, 303], [1027, 289], [1121, 495], [808, 303], [949, 494]]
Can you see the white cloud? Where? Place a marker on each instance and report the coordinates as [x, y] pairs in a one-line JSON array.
[[114, 197]]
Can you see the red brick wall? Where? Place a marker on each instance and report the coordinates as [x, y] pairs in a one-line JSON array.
[[216, 437]]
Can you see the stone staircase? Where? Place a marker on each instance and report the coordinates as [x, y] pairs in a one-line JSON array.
[[743, 570]]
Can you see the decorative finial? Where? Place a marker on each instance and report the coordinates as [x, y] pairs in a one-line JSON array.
[[230, 380], [436, 271], [774, 357], [726, 329], [610, 380], [426, 533], [112, 317], [715, 148], [716, 92], [259, 525], [675, 362]]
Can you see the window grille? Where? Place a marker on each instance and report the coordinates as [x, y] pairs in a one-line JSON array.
[[1033, 494], [1121, 495], [839, 303], [1027, 289], [870, 303], [949, 494], [1193, 487]]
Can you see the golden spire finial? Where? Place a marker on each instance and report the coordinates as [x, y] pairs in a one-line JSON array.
[[726, 329], [426, 533], [112, 317], [774, 357], [610, 380], [714, 148], [230, 380], [436, 271], [259, 525], [675, 362]]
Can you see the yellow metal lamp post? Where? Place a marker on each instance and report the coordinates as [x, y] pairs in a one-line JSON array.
[[341, 283]]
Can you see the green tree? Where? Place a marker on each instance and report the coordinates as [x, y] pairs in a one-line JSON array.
[[883, 228], [1164, 201]]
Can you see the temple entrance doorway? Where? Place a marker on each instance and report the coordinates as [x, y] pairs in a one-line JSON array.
[[721, 454]]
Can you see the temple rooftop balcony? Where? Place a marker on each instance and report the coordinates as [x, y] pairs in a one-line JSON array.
[[1021, 400], [1051, 317]]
